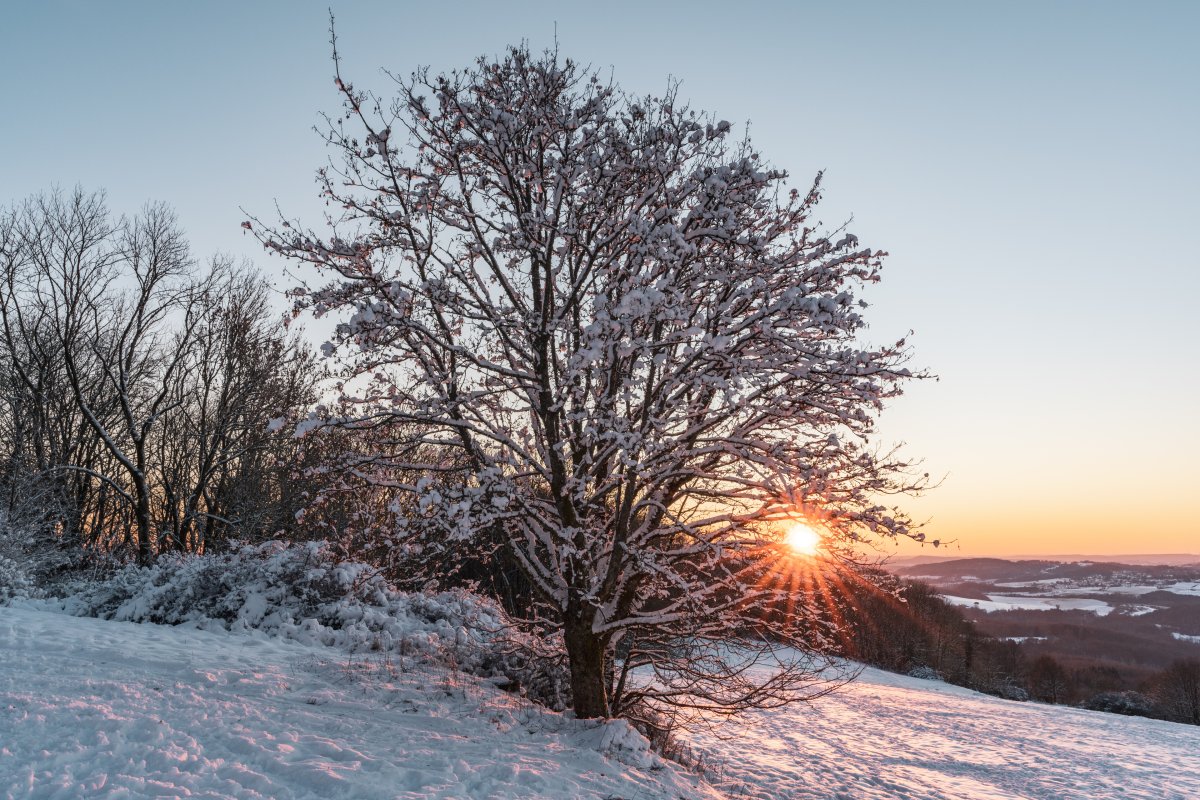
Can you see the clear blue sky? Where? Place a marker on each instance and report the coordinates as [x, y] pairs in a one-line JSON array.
[[1031, 166]]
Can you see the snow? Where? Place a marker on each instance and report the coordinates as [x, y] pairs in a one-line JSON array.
[[1130, 589], [1138, 611], [1183, 637], [108, 709], [1179, 587], [892, 737], [97, 708], [1001, 602]]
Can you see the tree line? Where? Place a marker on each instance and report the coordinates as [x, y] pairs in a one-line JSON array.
[[144, 394], [905, 626]]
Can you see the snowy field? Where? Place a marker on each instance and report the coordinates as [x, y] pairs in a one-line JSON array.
[[890, 737], [1004, 602], [97, 709], [92, 708], [1180, 587], [1058, 586]]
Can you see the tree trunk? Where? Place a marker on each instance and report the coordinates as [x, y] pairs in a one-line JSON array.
[[142, 514], [585, 651]]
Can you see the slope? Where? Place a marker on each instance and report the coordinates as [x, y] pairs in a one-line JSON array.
[[900, 738], [94, 708]]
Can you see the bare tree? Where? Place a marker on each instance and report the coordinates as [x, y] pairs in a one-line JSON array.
[[138, 338], [1177, 691], [45, 239], [639, 343], [216, 454], [1048, 681], [143, 387]]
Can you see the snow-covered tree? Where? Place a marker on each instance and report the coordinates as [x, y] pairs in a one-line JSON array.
[[604, 327]]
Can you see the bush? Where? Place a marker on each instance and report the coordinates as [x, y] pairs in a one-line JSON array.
[[27, 556], [36, 559], [1009, 690], [14, 582], [1131, 704], [924, 673], [303, 592]]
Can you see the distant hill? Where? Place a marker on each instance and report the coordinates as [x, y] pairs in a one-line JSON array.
[[1141, 560], [1111, 623], [1134, 559], [911, 561], [993, 570]]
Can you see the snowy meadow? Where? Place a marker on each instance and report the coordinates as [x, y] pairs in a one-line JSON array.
[[396, 696]]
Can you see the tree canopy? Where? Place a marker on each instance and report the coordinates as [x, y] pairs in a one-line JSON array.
[[603, 331]]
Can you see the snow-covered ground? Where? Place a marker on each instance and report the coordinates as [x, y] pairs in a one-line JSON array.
[[98, 709], [94, 708], [1003, 602], [1134, 589], [890, 737]]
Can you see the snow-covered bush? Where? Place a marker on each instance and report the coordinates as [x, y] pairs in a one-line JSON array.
[[34, 560], [303, 592], [14, 582], [1010, 691], [924, 673], [1133, 704], [23, 557]]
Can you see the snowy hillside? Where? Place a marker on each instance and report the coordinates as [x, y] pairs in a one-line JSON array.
[[93, 708], [890, 737]]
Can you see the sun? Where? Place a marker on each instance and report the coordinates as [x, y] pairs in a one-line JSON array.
[[803, 539]]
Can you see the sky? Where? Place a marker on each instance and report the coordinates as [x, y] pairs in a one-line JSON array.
[[1031, 167]]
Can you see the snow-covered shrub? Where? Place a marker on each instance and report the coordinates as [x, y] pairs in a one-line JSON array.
[[1010, 691], [22, 557], [39, 563], [14, 582], [1133, 704], [924, 673], [303, 592]]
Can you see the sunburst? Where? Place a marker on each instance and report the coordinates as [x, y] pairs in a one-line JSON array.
[[803, 539]]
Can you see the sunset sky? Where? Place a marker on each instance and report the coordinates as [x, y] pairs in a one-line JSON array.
[[1032, 168]]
